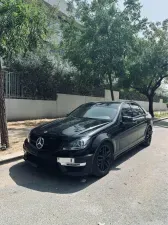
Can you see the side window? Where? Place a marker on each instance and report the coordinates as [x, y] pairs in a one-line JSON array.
[[137, 111], [126, 110], [141, 111]]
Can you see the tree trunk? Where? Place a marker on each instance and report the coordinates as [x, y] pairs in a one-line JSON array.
[[111, 87], [150, 98], [3, 121]]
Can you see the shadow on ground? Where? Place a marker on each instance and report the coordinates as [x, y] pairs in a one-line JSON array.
[[51, 181], [162, 123]]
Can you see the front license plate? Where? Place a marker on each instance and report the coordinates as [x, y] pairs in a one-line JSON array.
[[65, 160]]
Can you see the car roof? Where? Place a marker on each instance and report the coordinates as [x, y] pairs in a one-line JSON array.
[[113, 102], [97, 103]]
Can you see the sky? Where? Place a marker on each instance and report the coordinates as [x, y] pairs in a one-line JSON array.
[[154, 10]]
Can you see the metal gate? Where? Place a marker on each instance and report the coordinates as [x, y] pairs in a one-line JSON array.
[[12, 85]]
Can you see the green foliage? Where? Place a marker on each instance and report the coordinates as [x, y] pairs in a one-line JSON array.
[[160, 115], [103, 38], [23, 26], [42, 77], [147, 65]]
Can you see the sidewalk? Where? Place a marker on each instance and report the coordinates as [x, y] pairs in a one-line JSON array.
[[155, 120], [11, 157]]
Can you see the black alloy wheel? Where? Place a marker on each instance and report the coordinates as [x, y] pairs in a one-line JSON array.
[[148, 137], [103, 160]]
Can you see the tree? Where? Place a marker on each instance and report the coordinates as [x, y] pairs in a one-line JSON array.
[[23, 28], [147, 65], [99, 42]]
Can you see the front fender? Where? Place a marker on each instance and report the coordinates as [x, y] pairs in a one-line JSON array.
[[99, 140]]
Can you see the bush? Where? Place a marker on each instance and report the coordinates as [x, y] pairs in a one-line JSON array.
[[43, 77]]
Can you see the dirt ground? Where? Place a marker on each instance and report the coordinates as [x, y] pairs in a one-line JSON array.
[[18, 131]]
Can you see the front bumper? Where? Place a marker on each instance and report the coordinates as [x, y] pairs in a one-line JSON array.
[[71, 165]]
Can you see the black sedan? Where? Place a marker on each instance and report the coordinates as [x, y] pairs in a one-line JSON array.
[[90, 138]]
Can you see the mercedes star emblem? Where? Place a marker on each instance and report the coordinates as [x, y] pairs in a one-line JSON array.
[[40, 143]]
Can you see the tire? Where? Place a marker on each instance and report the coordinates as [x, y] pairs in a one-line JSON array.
[[148, 137], [103, 160]]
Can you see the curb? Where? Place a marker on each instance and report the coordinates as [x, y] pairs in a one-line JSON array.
[[11, 159], [158, 120]]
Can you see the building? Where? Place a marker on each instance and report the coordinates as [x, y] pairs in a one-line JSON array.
[[61, 4]]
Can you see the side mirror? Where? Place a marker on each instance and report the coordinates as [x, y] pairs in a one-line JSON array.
[[127, 119]]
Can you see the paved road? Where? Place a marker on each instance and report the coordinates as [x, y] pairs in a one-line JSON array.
[[134, 193]]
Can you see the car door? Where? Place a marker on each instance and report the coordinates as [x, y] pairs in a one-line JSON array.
[[141, 122], [127, 135]]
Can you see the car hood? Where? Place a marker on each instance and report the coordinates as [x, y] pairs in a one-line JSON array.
[[71, 126]]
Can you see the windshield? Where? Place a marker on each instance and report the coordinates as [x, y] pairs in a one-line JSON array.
[[105, 111]]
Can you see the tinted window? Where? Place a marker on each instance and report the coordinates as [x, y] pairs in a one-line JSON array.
[[137, 111], [106, 111], [126, 110]]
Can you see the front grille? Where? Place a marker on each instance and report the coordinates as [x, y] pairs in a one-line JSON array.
[[50, 143]]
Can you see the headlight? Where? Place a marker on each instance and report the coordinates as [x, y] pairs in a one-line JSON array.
[[78, 144]]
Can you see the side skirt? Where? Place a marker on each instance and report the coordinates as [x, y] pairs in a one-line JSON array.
[[117, 156]]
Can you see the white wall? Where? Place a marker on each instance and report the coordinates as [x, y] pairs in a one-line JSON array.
[[21, 109], [108, 95], [66, 103], [94, 99], [157, 106]]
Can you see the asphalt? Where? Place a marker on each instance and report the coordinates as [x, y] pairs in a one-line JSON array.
[[135, 192]]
